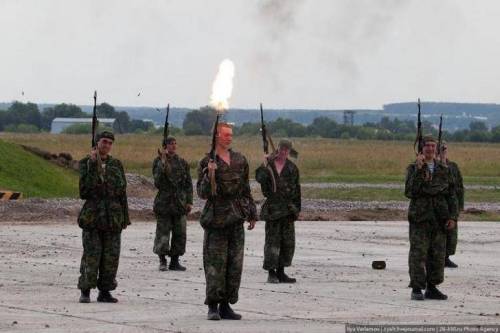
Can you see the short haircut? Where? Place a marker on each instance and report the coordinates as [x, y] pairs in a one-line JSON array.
[[226, 125]]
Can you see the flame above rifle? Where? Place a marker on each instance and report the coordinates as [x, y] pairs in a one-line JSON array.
[[222, 86]]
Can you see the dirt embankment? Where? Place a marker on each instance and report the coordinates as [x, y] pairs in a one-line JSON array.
[[141, 192]]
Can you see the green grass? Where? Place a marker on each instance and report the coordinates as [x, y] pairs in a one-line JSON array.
[[377, 194], [33, 176], [320, 160]]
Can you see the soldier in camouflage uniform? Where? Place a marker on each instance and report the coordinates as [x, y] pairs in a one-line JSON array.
[[279, 181], [433, 210], [222, 220], [103, 217], [452, 235], [173, 202]]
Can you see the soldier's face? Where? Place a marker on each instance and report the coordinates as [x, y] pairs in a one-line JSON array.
[[225, 137], [104, 145], [429, 150], [283, 153], [172, 147]]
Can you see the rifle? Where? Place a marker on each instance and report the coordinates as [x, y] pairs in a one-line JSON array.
[[266, 139], [440, 137], [161, 154], [419, 142], [213, 155], [95, 125]]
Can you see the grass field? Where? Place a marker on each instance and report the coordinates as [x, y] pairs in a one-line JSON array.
[[378, 194], [34, 176], [320, 160]]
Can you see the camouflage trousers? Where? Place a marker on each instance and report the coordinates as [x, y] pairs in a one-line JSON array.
[[101, 254], [451, 241], [279, 246], [223, 263], [427, 254], [166, 226]]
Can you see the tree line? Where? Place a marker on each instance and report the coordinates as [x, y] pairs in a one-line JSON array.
[[199, 122], [26, 118]]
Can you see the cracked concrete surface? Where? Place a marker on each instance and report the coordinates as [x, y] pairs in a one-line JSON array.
[[336, 285]]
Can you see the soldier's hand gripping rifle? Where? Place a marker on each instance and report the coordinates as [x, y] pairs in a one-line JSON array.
[[266, 139], [213, 156], [95, 125], [419, 141], [440, 138], [418, 146], [161, 151]]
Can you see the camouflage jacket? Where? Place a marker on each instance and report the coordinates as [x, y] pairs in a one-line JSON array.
[[233, 202], [286, 200], [459, 183], [175, 189], [105, 206], [434, 199]]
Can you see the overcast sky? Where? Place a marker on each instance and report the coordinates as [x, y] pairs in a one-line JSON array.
[[288, 53]]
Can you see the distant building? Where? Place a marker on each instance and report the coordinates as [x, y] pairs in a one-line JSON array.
[[59, 124]]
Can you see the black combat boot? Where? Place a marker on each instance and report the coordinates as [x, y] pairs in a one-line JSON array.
[[272, 277], [175, 265], [448, 263], [433, 293], [283, 278], [226, 312], [213, 312], [163, 263], [105, 297], [85, 296], [416, 294]]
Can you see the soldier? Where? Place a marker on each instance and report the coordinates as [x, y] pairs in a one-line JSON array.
[[222, 220], [280, 210], [173, 202], [452, 235], [103, 217], [433, 210]]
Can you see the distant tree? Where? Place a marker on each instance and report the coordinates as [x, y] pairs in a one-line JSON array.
[[366, 133], [3, 119], [138, 126], [105, 110], [123, 124], [61, 110], [384, 134], [460, 135], [479, 136], [24, 113], [199, 122], [287, 126], [248, 129], [478, 126], [324, 127], [495, 134], [345, 135]]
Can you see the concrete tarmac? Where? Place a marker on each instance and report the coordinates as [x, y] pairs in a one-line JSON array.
[[39, 268]]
